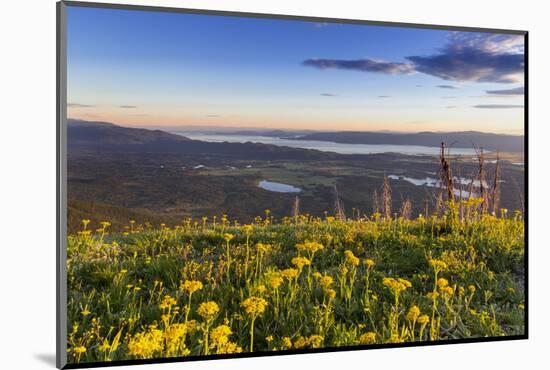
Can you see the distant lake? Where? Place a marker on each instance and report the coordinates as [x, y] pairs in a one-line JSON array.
[[435, 183], [324, 146], [278, 187]]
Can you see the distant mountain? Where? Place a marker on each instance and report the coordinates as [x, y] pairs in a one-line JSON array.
[[107, 137], [466, 139], [104, 133], [268, 133]]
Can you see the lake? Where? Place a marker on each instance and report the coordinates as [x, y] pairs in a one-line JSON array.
[[435, 183], [278, 187], [324, 146]]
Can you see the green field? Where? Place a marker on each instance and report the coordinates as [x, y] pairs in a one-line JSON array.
[[212, 286]]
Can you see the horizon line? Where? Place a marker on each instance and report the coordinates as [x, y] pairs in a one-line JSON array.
[[211, 128]]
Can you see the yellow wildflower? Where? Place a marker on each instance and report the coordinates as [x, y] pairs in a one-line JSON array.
[[423, 319], [191, 286], [442, 283], [254, 306], [438, 265], [220, 335], [369, 263], [300, 262], [413, 313], [263, 248], [351, 259], [396, 285], [290, 273], [287, 343], [208, 310], [79, 349], [368, 338]]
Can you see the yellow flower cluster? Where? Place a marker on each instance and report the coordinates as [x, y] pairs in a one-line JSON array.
[[220, 335], [313, 341], [208, 310], [145, 344], [367, 338], [254, 306], [438, 265], [413, 314], [286, 342], [191, 286], [167, 302], [290, 273], [369, 263], [351, 259], [325, 281], [263, 248], [300, 262], [79, 349], [396, 285], [442, 283], [423, 319], [274, 279], [310, 247]]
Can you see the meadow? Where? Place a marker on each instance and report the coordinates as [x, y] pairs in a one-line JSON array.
[[213, 286]]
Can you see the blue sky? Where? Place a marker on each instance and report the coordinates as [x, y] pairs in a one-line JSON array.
[[149, 68]]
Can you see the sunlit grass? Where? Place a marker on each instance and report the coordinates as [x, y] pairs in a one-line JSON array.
[[212, 286]]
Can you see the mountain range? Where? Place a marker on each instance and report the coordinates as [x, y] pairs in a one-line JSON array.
[[110, 137]]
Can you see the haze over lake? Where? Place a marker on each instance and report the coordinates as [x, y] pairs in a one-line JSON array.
[[324, 146]]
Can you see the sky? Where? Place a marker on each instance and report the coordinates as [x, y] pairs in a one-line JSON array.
[[141, 68]]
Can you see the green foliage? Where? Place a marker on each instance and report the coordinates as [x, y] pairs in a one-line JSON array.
[[214, 286]]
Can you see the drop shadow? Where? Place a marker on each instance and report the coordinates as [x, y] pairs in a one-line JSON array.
[[46, 358]]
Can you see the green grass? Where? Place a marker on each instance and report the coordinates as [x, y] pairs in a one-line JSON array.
[[358, 282]]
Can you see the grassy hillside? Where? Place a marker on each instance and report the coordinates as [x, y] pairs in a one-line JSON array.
[[212, 286]]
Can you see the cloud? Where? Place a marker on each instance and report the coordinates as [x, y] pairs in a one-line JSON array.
[[320, 24], [78, 105], [446, 86], [213, 115], [498, 106], [362, 65], [128, 106], [383, 96], [451, 106], [327, 94], [448, 97], [467, 57], [477, 57], [515, 91]]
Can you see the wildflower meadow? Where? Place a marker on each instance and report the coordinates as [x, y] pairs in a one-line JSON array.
[[213, 286]]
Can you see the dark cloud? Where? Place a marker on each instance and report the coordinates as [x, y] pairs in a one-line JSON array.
[[78, 105], [498, 106], [446, 86], [471, 57], [451, 106], [476, 58], [516, 91], [383, 96], [128, 106], [362, 65], [327, 94]]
